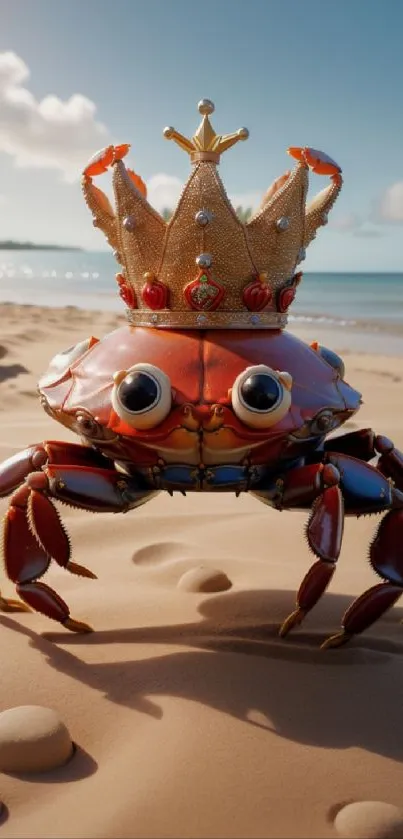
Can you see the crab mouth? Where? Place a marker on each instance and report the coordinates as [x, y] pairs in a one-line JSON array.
[[203, 418]]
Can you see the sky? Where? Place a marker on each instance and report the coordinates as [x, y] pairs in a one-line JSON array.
[[76, 75]]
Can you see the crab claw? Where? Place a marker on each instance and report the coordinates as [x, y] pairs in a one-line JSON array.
[[137, 181], [318, 161], [102, 160], [119, 152], [321, 163], [99, 163], [297, 153], [46, 526], [275, 187]]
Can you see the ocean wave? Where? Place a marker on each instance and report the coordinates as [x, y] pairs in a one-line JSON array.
[[313, 318], [357, 325]]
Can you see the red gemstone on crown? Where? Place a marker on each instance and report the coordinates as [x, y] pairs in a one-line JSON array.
[[285, 298], [126, 292], [204, 294], [257, 294], [286, 295], [154, 293]]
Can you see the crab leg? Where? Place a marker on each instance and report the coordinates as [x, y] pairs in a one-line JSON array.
[[16, 468], [360, 444], [34, 534], [386, 553], [324, 532], [26, 558], [390, 462], [364, 444], [365, 488], [386, 557]]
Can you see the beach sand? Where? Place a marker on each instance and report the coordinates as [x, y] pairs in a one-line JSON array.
[[191, 718]]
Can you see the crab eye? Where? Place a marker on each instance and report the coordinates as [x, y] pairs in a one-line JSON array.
[[139, 392], [261, 396], [142, 396]]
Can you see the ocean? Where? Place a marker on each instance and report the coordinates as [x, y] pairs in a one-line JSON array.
[[87, 280]]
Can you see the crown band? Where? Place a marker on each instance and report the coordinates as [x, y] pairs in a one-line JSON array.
[[207, 320], [203, 156]]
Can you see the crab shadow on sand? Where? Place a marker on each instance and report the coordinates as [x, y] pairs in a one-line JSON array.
[[4, 813], [11, 371], [237, 665], [80, 765]]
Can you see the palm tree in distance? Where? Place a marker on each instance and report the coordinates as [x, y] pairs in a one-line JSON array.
[[243, 213]]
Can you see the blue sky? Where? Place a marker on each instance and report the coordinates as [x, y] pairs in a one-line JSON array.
[[317, 73]]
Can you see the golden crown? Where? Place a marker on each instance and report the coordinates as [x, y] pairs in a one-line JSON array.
[[205, 268]]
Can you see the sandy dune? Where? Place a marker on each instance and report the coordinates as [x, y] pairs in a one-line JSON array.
[[191, 718]]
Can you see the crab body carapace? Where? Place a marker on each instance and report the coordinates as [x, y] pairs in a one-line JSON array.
[[203, 411], [202, 426]]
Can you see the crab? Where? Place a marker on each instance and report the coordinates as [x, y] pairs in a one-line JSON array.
[[209, 411]]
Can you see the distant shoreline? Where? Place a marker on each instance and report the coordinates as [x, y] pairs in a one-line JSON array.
[[9, 245], [359, 338], [111, 304]]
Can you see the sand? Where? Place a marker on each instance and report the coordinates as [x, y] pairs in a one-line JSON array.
[[190, 717]]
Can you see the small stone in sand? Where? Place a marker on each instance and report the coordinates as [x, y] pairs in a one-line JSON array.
[[369, 820], [204, 579], [33, 739]]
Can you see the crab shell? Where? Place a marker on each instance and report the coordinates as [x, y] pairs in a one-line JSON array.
[[202, 367]]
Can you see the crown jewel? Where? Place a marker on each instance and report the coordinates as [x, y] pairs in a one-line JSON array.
[[205, 268]]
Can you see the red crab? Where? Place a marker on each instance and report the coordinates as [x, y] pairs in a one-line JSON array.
[[210, 411]]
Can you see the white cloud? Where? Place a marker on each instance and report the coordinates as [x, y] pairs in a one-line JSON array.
[[368, 233], [247, 199], [163, 191], [346, 223], [352, 224], [391, 204], [47, 133]]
